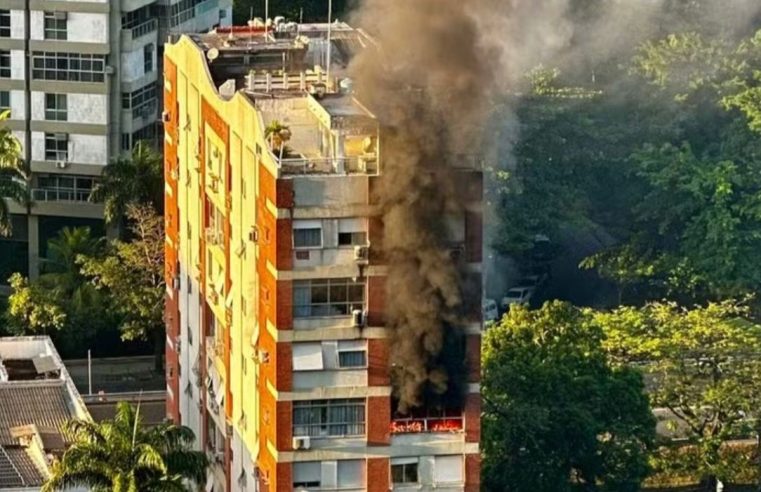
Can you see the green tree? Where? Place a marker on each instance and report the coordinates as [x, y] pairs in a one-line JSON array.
[[702, 365], [121, 455], [559, 416], [132, 275], [32, 309], [15, 174], [62, 302], [137, 178]]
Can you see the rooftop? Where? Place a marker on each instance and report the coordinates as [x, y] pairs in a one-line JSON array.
[[37, 398], [283, 70]]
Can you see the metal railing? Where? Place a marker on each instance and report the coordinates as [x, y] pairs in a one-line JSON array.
[[329, 165], [60, 195], [426, 424], [145, 28]]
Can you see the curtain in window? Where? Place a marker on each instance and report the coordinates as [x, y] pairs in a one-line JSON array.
[[302, 300]]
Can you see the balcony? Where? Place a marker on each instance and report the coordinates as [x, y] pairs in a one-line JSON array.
[[448, 421], [135, 37], [146, 27], [60, 195], [328, 165]]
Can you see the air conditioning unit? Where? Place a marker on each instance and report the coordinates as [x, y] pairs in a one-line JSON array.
[[219, 456], [253, 235], [361, 253], [301, 442], [358, 318], [109, 70], [165, 116], [60, 15], [61, 164], [176, 282]]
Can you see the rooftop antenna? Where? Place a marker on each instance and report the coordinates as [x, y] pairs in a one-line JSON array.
[[266, 20], [330, 37]]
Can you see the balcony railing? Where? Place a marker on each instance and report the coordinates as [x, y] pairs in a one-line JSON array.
[[146, 27], [60, 195], [415, 425], [329, 165]]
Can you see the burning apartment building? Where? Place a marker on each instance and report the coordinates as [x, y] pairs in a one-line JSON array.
[[323, 263]]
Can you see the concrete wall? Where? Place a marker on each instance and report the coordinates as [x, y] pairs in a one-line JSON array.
[[17, 64], [132, 65], [81, 108], [17, 24], [18, 104], [83, 149]]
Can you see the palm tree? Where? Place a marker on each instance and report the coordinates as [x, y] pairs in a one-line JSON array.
[[138, 177], [120, 455], [278, 134], [15, 175]]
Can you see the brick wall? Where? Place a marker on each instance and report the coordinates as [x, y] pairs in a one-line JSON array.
[[378, 475], [378, 420]]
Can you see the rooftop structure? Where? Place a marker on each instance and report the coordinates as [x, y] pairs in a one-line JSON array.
[[37, 398], [277, 353]]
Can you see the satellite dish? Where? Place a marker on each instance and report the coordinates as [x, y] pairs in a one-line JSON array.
[[212, 54]]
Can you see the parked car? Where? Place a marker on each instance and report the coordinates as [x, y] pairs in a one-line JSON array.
[[489, 310], [517, 295]]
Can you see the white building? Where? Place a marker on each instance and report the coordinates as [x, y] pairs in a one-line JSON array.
[[37, 397], [82, 82]]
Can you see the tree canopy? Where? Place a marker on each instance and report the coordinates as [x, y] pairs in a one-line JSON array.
[[559, 415]]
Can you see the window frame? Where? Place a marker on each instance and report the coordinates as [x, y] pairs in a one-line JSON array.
[[148, 51], [307, 225], [56, 113], [58, 138], [329, 308], [5, 64], [5, 23], [322, 409], [55, 28], [68, 67], [413, 463], [5, 101], [352, 347]]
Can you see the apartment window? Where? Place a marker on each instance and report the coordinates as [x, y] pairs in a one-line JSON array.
[[330, 475], [126, 141], [148, 58], [352, 232], [404, 471], [329, 418], [72, 67], [55, 25], [307, 234], [143, 101], [55, 107], [329, 355], [5, 101], [327, 297], [448, 469], [5, 23], [5, 64], [352, 354], [54, 187], [182, 11], [56, 147]]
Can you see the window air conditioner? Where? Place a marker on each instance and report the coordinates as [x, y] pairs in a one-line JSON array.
[[361, 253], [358, 318], [61, 164], [301, 442]]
